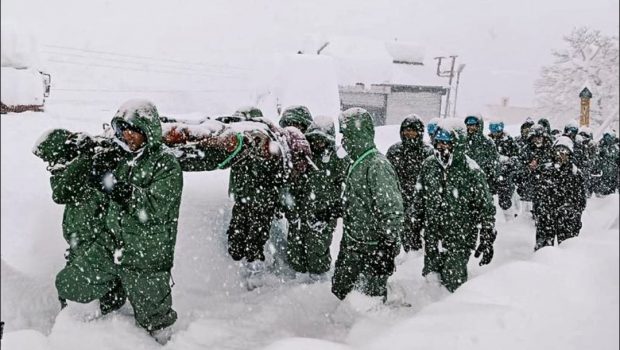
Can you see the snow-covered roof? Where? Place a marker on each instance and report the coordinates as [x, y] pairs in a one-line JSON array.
[[405, 52], [371, 61]]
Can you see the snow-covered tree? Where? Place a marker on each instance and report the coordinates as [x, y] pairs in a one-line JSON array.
[[590, 59]]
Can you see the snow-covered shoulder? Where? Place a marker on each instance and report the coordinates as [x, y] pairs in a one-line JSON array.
[[472, 164]]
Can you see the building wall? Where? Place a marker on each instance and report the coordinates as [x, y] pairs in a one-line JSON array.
[[426, 105], [374, 103], [389, 104]]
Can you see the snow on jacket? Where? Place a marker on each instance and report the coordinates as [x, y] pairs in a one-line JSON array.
[[147, 226], [407, 156], [482, 150], [373, 207], [452, 203]]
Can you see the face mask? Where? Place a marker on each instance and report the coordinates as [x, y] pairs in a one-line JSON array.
[[444, 156]]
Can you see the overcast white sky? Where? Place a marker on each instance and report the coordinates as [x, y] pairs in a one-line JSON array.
[[503, 43]]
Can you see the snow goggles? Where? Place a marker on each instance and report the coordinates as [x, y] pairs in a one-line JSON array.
[[496, 127], [570, 130], [442, 135], [471, 120]]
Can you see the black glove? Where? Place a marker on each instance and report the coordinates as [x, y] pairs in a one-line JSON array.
[[487, 237], [103, 164], [81, 142], [121, 192], [382, 259]]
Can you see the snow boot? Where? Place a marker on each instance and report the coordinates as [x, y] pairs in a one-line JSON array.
[[162, 336], [254, 274]]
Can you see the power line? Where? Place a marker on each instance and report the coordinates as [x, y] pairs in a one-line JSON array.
[[159, 65], [144, 57], [148, 91], [143, 70]]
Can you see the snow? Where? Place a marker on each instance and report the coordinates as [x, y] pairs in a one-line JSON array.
[[137, 107], [472, 164], [21, 86], [405, 51], [522, 300], [19, 48], [288, 80], [360, 60]]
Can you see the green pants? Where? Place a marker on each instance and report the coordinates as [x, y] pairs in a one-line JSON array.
[[451, 265], [353, 271], [94, 276], [308, 245]]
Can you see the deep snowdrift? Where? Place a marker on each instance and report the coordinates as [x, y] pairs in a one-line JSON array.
[[564, 298]]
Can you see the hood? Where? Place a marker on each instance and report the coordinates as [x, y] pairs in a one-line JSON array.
[[414, 122], [480, 132], [322, 128], [143, 115], [296, 115], [358, 131], [460, 139], [248, 112], [545, 124]]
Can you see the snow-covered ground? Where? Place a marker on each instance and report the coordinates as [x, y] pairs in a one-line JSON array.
[[558, 298]]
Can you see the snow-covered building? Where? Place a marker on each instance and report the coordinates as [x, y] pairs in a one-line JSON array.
[[24, 84], [389, 79]]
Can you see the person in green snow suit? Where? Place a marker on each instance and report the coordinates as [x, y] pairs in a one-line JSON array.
[[606, 167], [255, 181], [453, 205], [318, 203], [297, 117], [70, 158], [372, 212], [407, 157], [482, 150], [508, 153], [145, 195]]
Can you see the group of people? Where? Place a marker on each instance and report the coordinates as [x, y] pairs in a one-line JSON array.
[[122, 193]]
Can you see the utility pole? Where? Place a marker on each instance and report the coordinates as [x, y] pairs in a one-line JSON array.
[[450, 75], [456, 90]]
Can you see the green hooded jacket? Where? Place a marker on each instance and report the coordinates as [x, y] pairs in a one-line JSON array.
[[373, 205], [298, 116], [323, 186], [147, 226], [482, 150], [452, 203], [85, 207], [407, 157]]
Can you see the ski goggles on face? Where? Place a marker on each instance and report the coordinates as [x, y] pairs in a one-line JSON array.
[[120, 125], [562, 150], [496, 127], [471, 120], [442, 135]]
